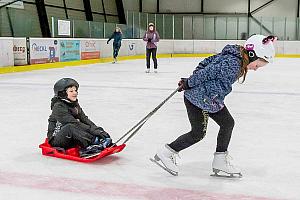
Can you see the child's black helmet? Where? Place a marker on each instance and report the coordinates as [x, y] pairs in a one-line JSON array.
[[61, 85]]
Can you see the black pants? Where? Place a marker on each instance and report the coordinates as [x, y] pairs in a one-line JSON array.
[[199, 119], [70, 136], [116, 49], [148, 55]]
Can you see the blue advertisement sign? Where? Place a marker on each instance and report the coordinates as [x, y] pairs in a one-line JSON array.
[[69, 50]]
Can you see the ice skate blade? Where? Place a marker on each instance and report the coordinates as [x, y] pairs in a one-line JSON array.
[[91, 155], [226, 175], [233, 176], [156, 161]]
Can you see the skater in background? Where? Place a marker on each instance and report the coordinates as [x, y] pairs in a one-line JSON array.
[[68, 126], [117, 36], [204, 94], [152, 38]]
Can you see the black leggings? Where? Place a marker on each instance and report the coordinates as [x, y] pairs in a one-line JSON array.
[[70, 136], [148, 55], [116, 50], [199, 119]]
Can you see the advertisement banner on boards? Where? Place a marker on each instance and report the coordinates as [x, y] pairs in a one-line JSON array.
[[6, 53], [43, 51], [131, 48], [90, 49], [69, 50], [20, 51]]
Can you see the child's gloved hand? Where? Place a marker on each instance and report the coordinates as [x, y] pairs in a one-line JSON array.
[[183, 84], [99, 131], [149, 39], [105, 134]]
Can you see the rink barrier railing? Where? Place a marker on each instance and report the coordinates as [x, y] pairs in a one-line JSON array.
[[83, 63], [25, 68], [27, 54]]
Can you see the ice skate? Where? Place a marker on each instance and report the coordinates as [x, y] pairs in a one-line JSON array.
[[222, 167], [114, 61], [147, 71], [155, 71], [107, 142], [90, 151], [166, 159]]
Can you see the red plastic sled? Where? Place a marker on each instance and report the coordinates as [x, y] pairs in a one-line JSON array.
[[73, 154]]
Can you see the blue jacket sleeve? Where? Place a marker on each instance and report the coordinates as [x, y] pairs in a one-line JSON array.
[[205, 71]]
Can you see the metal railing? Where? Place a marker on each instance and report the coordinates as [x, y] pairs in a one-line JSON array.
[[207, 27], [204, 27]]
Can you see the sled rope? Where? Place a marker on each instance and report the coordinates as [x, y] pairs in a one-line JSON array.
[[139, 125]]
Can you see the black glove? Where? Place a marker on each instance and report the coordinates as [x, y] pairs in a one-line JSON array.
[[149, 39], [107, 42], [183, 84], [105, 134], [99, 131]]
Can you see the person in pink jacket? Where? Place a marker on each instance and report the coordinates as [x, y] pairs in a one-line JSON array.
[[152, 38]]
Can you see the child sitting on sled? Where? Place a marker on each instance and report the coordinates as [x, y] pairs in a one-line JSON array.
[[68, 125]]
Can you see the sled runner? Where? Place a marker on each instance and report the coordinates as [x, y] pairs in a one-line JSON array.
[[73, 153]]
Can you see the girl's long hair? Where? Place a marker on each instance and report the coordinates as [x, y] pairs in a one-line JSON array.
[[245, 61]]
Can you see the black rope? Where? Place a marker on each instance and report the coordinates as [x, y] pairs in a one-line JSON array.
[[139, 125]]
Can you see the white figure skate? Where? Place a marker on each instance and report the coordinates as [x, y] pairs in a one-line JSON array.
[[166, 159], [222, 167]]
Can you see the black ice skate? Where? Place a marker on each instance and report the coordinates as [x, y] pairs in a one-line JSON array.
[[90, 151]]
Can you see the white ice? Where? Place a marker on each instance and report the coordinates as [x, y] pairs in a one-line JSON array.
[[265, 142]]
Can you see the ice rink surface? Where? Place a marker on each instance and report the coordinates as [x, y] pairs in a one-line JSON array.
[[265, 142]]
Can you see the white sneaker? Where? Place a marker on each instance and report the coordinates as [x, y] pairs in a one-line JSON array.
[[168, 157], [147, 71], [222, 163]]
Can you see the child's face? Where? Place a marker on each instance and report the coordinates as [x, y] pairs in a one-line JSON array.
[[151, 28], [72, 93], [256, 64]]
